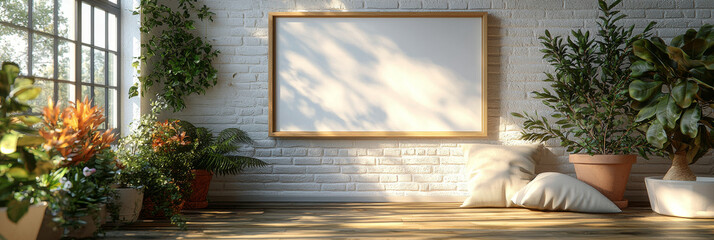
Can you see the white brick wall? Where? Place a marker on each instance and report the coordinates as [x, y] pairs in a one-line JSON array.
[[401, 169]]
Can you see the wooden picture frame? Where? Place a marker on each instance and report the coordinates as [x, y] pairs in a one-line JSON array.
[[282, 27]]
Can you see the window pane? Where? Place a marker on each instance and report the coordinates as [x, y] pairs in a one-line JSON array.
[[86, 23], [113, 1], [13, 47], [99, 27], [100, 94], [112, 109], [112, 28], [66, 22], [99, 63], [42, 56], [14, 11], [113, 69], [65, 93], [86, 64], [48, 89], [66, 61], [42, 15], [86, 92]]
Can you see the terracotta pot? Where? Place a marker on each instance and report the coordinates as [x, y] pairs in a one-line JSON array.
[[147, 210], [199, 189], [130, 202], [606, 173], [27, 228]]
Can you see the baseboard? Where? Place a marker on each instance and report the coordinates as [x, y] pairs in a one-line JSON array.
[[323, 197]]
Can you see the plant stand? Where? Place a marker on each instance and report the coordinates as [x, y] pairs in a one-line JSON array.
[[689, 199], [27, 228]]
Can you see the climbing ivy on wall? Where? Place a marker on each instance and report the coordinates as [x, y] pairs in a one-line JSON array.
[[180, 60]]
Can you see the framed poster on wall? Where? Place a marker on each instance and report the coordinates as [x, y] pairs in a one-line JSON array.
[[377, 74]]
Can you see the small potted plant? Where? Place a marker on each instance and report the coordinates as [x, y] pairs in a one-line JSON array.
[[130, 197], [212, 156], [87, 163], [162, 168], [674, 91], [22, 159], [589, 103]]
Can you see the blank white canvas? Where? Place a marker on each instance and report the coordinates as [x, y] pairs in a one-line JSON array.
[[378, 74]]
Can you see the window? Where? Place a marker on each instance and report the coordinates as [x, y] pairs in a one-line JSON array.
[[70, 47]]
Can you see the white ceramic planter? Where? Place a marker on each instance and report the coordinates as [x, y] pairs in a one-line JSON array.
[[690, 199], [27, 227], [130, 203]]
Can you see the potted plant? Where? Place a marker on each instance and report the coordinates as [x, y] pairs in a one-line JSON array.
[[162, 168], [589, 103], [22, 160], [212, 156], [130, 197], [87, 164], [674, 91]]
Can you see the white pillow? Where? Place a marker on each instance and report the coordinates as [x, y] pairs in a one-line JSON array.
[[496, 172], [559, 192]]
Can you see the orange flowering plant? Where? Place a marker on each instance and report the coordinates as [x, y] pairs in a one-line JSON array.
[[168, 138], [74, 132]]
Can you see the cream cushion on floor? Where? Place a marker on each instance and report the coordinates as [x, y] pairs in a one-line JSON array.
[[559, 192], [495, 173]]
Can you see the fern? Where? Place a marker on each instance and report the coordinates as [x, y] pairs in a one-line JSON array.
[[213, 153]]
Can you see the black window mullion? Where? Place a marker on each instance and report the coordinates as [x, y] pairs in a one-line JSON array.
[[30, 31], [78, 51], [56, 54], [91, 53], [106, 67]]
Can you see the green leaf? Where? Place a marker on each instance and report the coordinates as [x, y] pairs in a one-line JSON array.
[[641, 90], [656, 134], [668, 112], [8, 144], [678, 55], [640, 67], [690, 121], [684, 92], [26, 93], [17, 209], [650, 109], [18, 172]]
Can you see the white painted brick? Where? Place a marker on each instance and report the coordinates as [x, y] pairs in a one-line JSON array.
[[410, 166]]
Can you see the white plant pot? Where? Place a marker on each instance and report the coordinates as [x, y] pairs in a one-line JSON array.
[[690, 199], [130, 202], [27, 227]]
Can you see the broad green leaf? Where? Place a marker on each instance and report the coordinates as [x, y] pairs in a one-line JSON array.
[[29, 120], [8, 144], [690, 121], [695, 48], [30, 140], [684, 92], [641, 90], [23, 82], [640, 67], [668, 112], [17, 209], [26, 93], [18, 172], [647, 112], [679, 56], [656, 134]]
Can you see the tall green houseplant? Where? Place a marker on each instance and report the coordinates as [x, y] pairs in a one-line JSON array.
[[588, 96], [674, 91], [180, 60], [22, 159]]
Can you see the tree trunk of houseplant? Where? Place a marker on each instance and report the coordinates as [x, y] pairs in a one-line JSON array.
[[200, 184], [680, 168], [606, 173]]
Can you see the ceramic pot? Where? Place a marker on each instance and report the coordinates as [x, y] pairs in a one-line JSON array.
[[606, 173], [27, 228], [690, 199], [199, 189], [130, 201], [50, 230], [87, 230]]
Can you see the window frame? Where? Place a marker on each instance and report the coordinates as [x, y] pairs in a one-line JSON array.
[[108, 8]]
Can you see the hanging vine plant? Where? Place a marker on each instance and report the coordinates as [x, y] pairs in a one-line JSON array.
[[180, 60]]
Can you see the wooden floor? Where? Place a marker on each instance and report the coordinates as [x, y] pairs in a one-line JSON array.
[[412, 221]]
